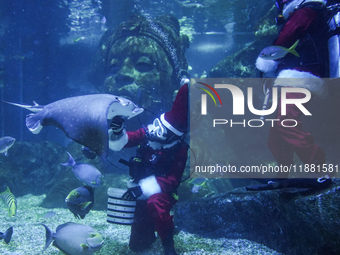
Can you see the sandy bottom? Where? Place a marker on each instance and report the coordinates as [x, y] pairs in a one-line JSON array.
[[29, 238]]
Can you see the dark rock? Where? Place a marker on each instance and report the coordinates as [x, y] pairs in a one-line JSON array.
[[292, 221], [30, 168]]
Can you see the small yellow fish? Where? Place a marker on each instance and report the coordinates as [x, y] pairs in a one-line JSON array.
[[277, 52], [9, 199]]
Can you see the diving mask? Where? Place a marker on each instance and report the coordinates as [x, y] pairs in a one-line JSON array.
[[157, 131]]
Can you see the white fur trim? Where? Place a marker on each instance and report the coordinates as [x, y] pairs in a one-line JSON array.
[[156, 145], [170, 127], [150, 186], [294, 78], [118, 144]]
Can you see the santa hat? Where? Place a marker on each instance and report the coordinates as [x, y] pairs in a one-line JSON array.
[[176, 119]]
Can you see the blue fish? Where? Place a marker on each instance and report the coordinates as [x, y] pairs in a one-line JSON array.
[[85, 173], [6, 142], [76, 239], [198, 184], [80, 201], [47, 215], [7, 235], [84, 119]]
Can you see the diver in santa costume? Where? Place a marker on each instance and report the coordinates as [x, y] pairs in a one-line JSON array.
[[156, 171], [303, 55]]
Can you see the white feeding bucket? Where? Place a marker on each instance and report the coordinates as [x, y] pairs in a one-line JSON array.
[[119, 211]]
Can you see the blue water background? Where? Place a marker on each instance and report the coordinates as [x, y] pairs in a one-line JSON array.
[[42, 63]]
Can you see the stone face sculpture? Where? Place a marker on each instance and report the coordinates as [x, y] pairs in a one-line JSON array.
[[143, 60]]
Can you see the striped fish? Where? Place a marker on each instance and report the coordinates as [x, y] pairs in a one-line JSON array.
[[9, 199]]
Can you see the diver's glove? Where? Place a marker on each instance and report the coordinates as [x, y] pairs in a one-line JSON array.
[[132, 193], [117, 125], [90, 154]]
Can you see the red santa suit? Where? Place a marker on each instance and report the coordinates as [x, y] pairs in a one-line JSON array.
[[304, 25], [158, 189], [158, 172]]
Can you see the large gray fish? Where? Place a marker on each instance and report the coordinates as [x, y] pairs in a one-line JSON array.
[[10, 201], [85, 173], [75, 239], [6, 142], [83, 119], [7, 235]]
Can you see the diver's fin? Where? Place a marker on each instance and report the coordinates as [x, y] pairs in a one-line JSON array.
[[305, 183], [269, 186]]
